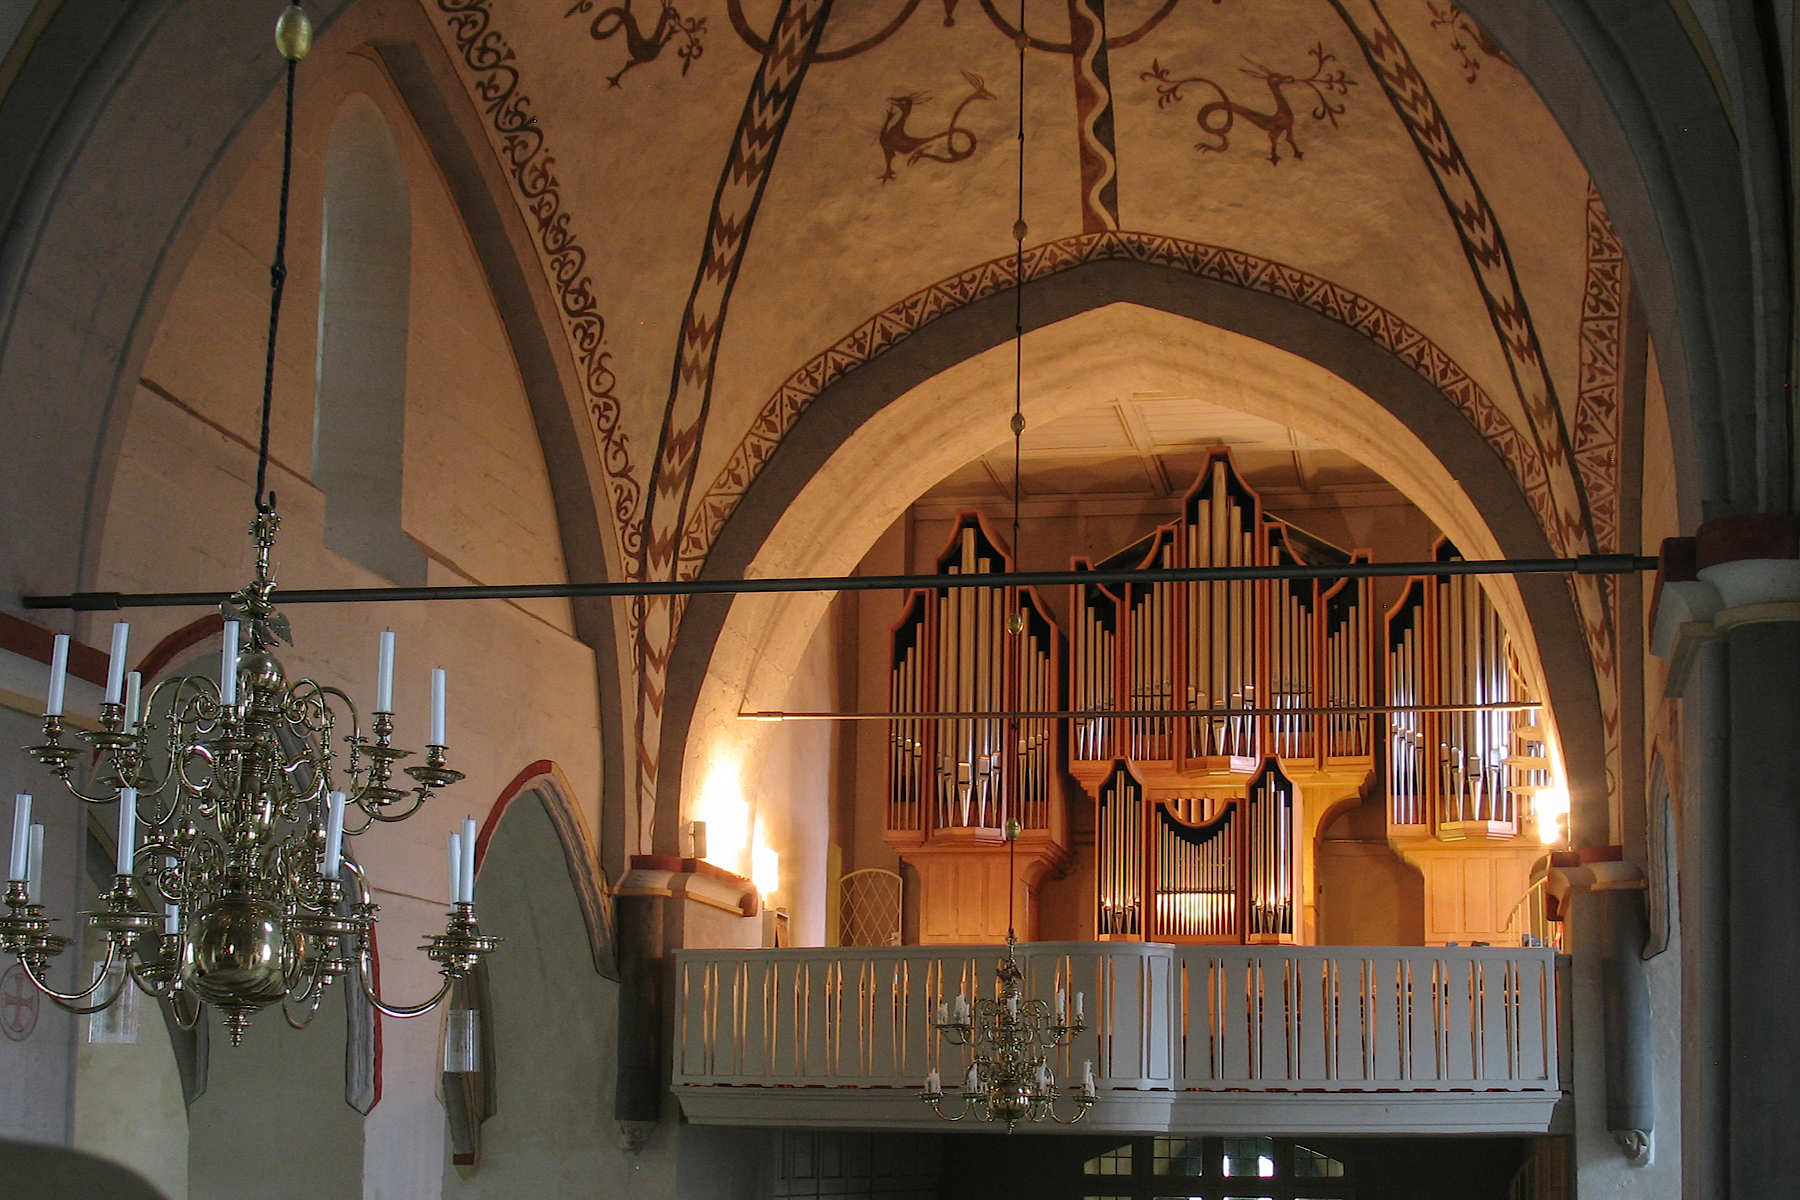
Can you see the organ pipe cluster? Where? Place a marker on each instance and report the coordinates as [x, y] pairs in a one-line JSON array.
[[957, 651], [1221, 669], [1448, 770], [1196, 868]]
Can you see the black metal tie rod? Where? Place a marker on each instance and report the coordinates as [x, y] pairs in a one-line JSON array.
[[1586, 564]]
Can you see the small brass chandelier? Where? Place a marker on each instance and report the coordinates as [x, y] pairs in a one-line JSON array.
[[1010, 1077], [235, 796]]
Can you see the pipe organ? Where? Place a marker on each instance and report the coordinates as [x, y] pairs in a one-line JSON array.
[[1199, 716], [954, 781], [1468, 771]]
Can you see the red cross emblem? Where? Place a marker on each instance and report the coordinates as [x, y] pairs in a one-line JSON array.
[[18, 1004]]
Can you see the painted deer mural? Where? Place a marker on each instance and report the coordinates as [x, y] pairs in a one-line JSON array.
[[639, 47], [1217, 118], [953, 143]]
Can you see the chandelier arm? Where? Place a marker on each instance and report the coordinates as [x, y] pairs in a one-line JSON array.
[[937, 1106], [349, 866], [313, 986], [400, 1012], [150, 873], [420, 796], [164, 989], [311, 1006], [87, 798], [71, 1001], [180, 998], [148, 785], [357, 830], [179, 765]]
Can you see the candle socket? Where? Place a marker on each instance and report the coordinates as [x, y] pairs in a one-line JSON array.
[[432, 773], [112, 717], [25, 930], [382, 755], [122, 920], [462, 945], [53, 754]]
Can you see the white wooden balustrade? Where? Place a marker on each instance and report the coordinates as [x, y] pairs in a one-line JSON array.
[[1276, 1039]]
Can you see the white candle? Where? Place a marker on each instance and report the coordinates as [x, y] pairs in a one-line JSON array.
[[962, 1008], [127, 854], [34, 865], [468, 861], [437, 707], [933, 1084], [384, 672], [334, 835], [115, 666], [21, 839], [171, 918], [943, 1013], [134, 695], [972, 1081], [455, 867], [1060, 1004], [1087, 1077], [1080, 999], [228, 651], [59, 675], [1012, 1007]]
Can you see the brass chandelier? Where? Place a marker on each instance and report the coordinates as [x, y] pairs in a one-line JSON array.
[[1010, 1077], [232, 887]]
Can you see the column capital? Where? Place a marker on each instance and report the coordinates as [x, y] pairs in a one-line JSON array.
[[1734, 571]]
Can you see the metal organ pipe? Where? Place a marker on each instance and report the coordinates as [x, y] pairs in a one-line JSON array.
[[1196, 874], [1121, 856], [1447, 645]]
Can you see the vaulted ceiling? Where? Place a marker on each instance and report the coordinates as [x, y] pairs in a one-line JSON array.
[[741, 201]]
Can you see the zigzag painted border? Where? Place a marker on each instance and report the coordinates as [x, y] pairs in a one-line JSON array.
[[1490, 263], [1574, 528], [1599, 405], [523, 151], [1600, 397], [654, 620], [900, 320]]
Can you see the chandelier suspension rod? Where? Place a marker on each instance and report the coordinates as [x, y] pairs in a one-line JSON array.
[[1584, 564], [1128, 714]]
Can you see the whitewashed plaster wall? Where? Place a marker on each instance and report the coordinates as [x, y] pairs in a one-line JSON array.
[[476, 500], [128, 1102]]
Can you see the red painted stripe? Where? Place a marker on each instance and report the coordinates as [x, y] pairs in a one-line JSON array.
[[23, 638], [178, 643], [538, 770]]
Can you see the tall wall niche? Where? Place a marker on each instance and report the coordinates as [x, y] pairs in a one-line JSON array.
[[359, 418]]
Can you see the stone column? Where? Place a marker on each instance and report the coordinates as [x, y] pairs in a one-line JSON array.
[[1736, 584]]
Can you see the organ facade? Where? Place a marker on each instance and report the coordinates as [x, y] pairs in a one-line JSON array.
[[1190, 741]]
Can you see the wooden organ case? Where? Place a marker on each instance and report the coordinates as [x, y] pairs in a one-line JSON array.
[[1461, 781], [1199, 818], [955, 780]]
